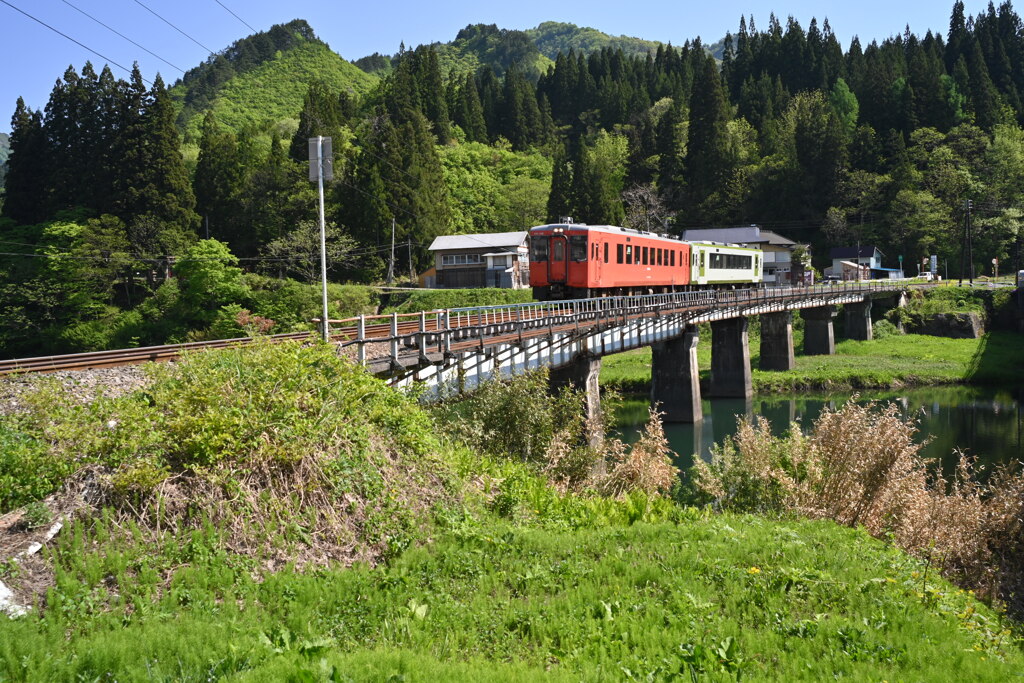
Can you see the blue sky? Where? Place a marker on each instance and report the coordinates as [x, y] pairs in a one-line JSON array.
[[33, 56]]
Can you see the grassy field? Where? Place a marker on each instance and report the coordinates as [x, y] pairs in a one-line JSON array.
[[719, 597], [996, 358]]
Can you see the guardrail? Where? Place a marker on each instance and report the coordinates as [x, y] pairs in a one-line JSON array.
[[445, 331]]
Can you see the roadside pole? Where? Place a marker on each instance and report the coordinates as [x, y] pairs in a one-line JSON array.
[[321, 167]]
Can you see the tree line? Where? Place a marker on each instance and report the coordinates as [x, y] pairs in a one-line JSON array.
[[882, 143]]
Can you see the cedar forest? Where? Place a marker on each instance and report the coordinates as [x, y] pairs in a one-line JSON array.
[[116, 183]]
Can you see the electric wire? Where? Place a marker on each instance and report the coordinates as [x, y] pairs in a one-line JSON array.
[[235, 15], [112, 30], [80, 44], [140, 4]]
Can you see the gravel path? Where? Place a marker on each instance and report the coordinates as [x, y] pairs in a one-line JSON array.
[[78, 385]]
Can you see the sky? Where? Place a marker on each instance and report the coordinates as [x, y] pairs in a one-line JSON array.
[[181, 34]]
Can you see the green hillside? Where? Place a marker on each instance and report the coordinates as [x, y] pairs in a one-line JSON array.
[[275, 90], [533, 49], [263, 79], [552, 37]]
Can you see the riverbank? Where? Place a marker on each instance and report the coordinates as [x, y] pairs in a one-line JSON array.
[[894, 361]]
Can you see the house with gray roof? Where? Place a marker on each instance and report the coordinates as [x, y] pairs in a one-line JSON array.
[[499, 259]]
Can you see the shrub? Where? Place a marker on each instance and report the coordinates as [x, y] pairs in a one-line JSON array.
[[861, 467], [884, 328]]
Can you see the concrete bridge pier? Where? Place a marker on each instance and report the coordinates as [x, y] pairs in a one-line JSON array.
[[858, 320], [777, 341], [819, 337], [730, 359], [583, 373], [675, 378]]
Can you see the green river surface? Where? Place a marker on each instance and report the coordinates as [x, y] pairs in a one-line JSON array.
[[981, 421]]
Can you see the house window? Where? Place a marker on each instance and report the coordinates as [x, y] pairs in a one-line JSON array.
[[460, 259], [499, 262]]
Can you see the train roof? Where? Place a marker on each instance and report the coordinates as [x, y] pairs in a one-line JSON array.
[[616, 230], [611, 229]]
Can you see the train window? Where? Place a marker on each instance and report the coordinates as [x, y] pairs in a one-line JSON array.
[[644, 256], [672, 258], [539, 249], [629, 253], [558, 250], [606, 252], [578, 247], [618, 253]]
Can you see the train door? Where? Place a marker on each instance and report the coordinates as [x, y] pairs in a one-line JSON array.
[[703, 262], [557, 260]]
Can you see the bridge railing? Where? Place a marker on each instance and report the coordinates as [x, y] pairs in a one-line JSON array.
[[446, 330]]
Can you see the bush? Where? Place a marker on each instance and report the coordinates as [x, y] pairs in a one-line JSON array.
[[884, 328], [860, 466], [261, 439], [434, 299]]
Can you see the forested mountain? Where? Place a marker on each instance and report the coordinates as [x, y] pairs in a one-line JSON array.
[[883, 143], [263, 79], [533, 50], [553, 37]]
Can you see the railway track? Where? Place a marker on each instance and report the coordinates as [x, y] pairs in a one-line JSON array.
[[347, 332], [447, 331]]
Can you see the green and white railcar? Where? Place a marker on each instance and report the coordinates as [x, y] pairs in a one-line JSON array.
[[714, 263]]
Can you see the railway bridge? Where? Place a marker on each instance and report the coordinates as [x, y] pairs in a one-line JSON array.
[[455, 350]]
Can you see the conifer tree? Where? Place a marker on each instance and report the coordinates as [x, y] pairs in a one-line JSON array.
[[708, 161], [321, 115], [27, 171], [560, 197], [469, 113], [217, 185], [156, 188]]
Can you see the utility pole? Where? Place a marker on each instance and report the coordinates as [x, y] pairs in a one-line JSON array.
[[963, 243], [321, 166], [391, 263], [970, 241], [412, 268]]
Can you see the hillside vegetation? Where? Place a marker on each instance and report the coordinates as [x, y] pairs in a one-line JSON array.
[[209, 520], [263, 79], [554, 37]]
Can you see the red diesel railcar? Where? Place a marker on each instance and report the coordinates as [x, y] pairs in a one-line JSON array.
[[573, 261]]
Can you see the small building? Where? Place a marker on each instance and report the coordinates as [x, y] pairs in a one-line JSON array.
[[779, 265], [848, 271], [869, 255], [500, 259]]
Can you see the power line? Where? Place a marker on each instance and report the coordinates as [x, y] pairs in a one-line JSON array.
[[208, 50], [235, 15], [122, 35], [82, 45]]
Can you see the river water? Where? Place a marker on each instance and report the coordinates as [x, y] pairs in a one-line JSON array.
[[981, 421]]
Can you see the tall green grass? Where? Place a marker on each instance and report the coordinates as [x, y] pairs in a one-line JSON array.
[[721, 597]]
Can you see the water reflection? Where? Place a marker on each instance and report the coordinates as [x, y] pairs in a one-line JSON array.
[[983, 422]]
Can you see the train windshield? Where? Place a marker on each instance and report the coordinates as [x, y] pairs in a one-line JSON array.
[[539, 249], [578, 247]]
